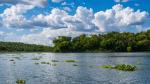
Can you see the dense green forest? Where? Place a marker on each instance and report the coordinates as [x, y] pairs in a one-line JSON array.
[[110, 42], [113, 42], [16, 46]]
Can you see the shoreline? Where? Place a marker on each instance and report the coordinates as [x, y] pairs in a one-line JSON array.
[[70, 52]]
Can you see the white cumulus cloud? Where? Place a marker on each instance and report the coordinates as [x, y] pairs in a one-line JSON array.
[[60, 23], [13, 16], [40, 3], [119, 18]]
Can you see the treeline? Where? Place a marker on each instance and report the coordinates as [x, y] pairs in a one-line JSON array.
[[113, 42], [17, 46]]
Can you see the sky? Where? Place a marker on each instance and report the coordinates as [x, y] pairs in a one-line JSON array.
[[41, 21]]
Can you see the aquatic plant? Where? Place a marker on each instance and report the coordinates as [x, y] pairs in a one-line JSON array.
[[70, 61], [11, 60], [75, 65], [45, 63], [21, 82], [54, 60], [36, 63], [123, 67], [35, 58], [49, 63], [53, 64], [107, 66]]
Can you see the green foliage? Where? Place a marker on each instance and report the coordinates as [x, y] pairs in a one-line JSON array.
[[75, 65], [107, 66], [16, 46], [129, 49], [21, 82], [62, 44], [45, 62], [35, 58], [122, 67], [113, 41], [125, 67], [54, 60], [70, 61]]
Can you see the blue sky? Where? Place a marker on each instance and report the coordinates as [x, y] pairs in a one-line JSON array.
[[40, 21]]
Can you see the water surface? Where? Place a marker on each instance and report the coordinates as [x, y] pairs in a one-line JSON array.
[[14, 66]]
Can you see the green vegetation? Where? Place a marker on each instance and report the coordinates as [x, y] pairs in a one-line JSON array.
[[54, 60], [36, 63], [11, 60], [123, 67], [70, 61], [49, 63], [45, 63], [113, 42], [107, 66], [110, 42], [54, 64], [21, 82], [35, 58], [21, 47], [75, 65]]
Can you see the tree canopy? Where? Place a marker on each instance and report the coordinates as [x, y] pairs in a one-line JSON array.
[[113, 41], [16, 46]]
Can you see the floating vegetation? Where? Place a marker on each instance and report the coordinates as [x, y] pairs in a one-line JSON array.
[[36, 63], [45, 63], [49, 63], [11, 60], [70, 61], [35, 58], [123, 67], [75, 65], [54, 64], [107, 66], [21, 82], [54, 60]]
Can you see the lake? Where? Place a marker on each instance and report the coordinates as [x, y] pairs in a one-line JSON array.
[[38, 68]]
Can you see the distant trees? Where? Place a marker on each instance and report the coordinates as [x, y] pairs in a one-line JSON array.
[[16, 46], [113, 41], [62, 44]]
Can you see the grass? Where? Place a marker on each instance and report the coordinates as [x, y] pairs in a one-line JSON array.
[[122, 67], [70, 61], [21, 82]]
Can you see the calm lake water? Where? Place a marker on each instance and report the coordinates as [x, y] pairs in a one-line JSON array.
[[29, 67]]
